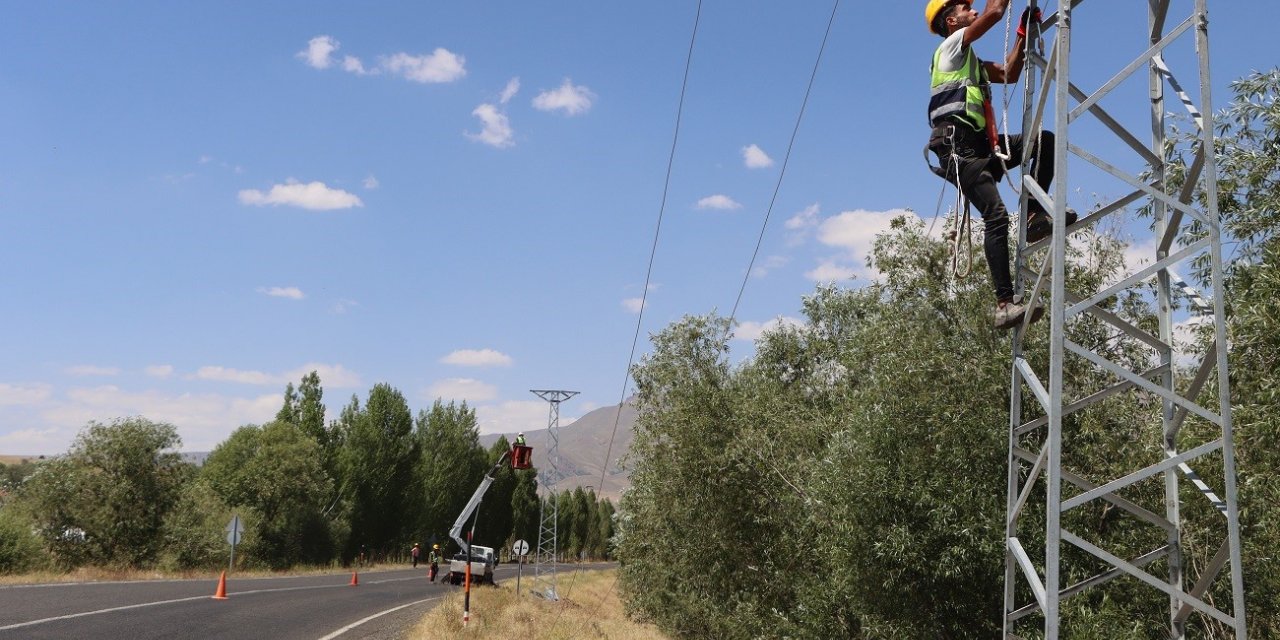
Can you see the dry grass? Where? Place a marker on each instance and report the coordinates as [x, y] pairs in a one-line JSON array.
[[7, 459], [588, 608], [102, 574]]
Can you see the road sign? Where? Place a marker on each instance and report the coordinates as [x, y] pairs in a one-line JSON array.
[[235, 530], [520, 548]]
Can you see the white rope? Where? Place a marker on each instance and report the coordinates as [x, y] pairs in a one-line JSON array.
[[962, 227]]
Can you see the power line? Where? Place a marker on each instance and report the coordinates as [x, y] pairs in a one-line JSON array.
[[783, 171], [635, 338], [666, 186]]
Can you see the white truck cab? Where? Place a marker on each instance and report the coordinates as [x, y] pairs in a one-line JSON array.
[[482, 565]]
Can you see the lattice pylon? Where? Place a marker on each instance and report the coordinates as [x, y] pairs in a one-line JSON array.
[[1194, 432], [544, 565]]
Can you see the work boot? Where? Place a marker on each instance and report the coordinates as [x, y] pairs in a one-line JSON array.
[[1040, 224], [1009, 314]]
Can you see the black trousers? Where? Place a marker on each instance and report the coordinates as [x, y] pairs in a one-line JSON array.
[[979, 175]]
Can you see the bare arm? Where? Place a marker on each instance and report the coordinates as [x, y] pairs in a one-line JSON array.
[[990, 17]]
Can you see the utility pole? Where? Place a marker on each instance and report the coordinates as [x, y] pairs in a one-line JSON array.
[[1039, 481], [544, 565]]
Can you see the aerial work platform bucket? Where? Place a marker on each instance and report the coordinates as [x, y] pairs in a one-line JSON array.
[[521, 456]]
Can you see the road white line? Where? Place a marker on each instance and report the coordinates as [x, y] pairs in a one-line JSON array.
[[90, 613], [160, 602], [376, 615]]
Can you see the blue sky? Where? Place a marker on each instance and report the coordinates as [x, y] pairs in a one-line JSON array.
[[200, 202]]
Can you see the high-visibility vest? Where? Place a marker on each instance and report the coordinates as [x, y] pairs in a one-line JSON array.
[[962, 93]]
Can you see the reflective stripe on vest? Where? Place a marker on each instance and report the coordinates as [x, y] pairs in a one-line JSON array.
[[960, 93]]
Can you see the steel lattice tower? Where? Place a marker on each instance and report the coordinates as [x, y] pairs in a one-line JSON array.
[[544, 567], [1196, 429]]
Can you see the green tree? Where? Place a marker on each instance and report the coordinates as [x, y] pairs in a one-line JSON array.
[[105, 501], [525, 507], [275, 470], [194, 535], [451, 466], [1248, 155], [378, 462], [20, 549], [289, 409], [12, 476], [817, 481]]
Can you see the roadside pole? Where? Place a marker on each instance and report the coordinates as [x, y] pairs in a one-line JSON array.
[[520, 548], [466, 589], [235, 530]]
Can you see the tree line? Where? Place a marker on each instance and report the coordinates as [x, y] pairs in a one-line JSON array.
[[848, 480], [365, 486]]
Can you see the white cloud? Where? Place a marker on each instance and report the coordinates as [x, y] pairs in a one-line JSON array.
[[755, 157], [751, 331], [319, 52], [203, 420], [829, 271], [769, 264], [634, 305], [478, 358], [496, 130], [468, 389], [331, 375], [718, 201], [343, 305], [159, 370], [352, 64], [855, 232], [570, 98], [23, 394], [92, 370], [371, 182], [37, 441], [514, 415], [227, 374], [509, 91], [292, 293], [804, 219], [312, 195], [440, 65]]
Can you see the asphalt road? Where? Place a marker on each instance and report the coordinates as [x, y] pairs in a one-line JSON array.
[[384, 605]]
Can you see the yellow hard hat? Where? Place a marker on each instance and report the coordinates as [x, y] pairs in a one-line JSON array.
[[934, 7], [435, 546]]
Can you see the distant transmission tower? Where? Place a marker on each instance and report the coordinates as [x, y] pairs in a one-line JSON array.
[[1196, 430], [544, 566]]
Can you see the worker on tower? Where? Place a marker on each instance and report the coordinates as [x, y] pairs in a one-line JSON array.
[[965, 139]]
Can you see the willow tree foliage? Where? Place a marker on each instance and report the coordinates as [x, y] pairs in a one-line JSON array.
[[106, 500], [848, 480]]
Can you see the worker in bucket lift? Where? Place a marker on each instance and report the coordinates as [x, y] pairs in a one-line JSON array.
[[965, 139], [434, 558], [520, 439]]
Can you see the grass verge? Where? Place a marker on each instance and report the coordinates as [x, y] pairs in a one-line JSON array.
[[588, 608]]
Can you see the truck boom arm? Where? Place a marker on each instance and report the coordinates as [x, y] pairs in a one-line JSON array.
[[455, 531]]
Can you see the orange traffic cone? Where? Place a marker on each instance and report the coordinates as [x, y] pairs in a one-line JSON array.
[[354, 580], [221, 593]]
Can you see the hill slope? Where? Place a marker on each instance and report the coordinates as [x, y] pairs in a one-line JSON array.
[[583, 444]]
